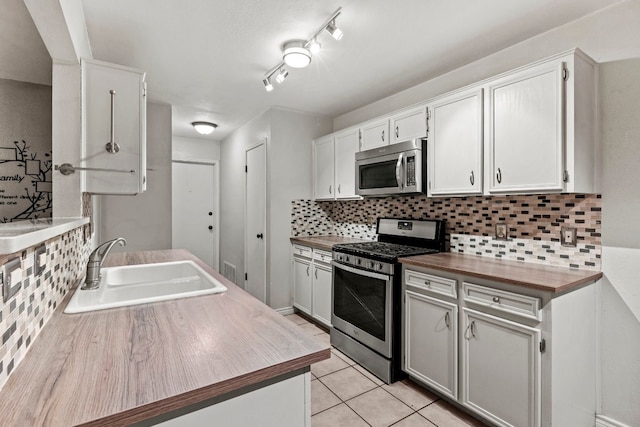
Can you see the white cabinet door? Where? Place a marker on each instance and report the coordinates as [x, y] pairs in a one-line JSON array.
[[431, 342], [409, 124], [500, 369], [347, 145], [302, 284], [374, 134], [114, 106], [322, 293], [324, 168], [455, 144], [526, 130]]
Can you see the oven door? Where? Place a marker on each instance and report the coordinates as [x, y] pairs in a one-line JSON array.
[[362, 306]]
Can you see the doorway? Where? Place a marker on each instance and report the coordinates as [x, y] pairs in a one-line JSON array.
[[255, 236], [194, 209]]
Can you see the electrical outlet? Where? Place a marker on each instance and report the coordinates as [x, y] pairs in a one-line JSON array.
[[501, 231], [11, 278], [39, 259], [568, 236]]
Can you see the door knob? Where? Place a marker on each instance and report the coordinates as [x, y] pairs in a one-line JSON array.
[[210, 213], [259, 236], [211, 227]]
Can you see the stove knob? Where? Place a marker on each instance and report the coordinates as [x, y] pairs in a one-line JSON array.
[[358, 261], [372, 265], [346, 258], [379, 266]]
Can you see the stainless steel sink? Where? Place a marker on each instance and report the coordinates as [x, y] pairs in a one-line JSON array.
[[145, 283]]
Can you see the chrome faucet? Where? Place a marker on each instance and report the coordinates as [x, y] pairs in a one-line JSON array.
[[92, 279]]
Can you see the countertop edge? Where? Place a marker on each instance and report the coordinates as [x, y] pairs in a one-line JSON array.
[[588, 277], [13, 244]]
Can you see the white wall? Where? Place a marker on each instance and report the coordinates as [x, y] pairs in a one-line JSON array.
[[289, 135], [610, 37], [145, 219], [620, 288], [195, 149]]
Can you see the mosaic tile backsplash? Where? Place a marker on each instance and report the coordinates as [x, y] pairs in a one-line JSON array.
[[533, 223], [24, 315]]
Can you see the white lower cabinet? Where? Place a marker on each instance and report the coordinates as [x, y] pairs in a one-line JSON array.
[[302, 284], [512, 355], [312, 283], [500, 369], [431, 341]]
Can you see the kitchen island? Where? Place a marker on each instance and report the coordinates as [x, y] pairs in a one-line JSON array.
[[153, 363]]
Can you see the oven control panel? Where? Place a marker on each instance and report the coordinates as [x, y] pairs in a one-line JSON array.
[[363, 263]]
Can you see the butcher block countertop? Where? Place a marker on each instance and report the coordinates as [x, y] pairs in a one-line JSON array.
[[535, 276], [125, 365], [324, 243]]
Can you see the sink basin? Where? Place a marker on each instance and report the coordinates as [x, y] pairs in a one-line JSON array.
[[145, 283]]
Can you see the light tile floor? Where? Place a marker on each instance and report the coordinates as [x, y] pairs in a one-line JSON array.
[[345, 394]]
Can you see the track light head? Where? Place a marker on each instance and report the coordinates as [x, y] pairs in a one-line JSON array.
[[335, 32], [267, 84], [314, 46], [282, 75]]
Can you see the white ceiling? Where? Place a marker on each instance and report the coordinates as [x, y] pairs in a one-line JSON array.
[[207, 58]]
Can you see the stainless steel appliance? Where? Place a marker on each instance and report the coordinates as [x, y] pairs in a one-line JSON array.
[[366, 291], [392, 169]]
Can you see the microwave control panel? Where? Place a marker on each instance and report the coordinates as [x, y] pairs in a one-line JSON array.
[[411, 171]]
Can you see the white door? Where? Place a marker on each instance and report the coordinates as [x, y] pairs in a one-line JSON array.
[[431, 342], [455, 144], [302, 284], [193, 213], [346, 146], [255, 223], [323, 163], [501, 370], [321, 290]]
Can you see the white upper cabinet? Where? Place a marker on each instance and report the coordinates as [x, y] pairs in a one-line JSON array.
[[334, 165], [540, 133], [409, 124], [455, 144], [374, 134], [114, 123], [347, 145]]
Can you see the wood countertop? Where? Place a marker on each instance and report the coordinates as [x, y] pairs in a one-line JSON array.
[[119, 366], [535, 276], [324, 242]]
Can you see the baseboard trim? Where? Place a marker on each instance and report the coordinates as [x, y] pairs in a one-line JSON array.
[[285, 311], [602, 421]]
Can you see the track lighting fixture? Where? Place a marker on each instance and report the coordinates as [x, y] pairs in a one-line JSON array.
[[282, 75], [204, 128], [335, 32], [298, 53]]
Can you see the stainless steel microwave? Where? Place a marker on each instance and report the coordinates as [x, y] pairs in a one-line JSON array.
[[392, 169]]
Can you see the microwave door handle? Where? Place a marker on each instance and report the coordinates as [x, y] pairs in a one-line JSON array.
[[400, 171]]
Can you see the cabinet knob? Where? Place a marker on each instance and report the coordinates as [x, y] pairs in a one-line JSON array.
[[472, 178], [397, 132], [382, 136], [427, 282], [496, 299], [499, 176]]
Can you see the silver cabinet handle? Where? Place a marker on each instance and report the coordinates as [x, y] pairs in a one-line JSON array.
[[382, 136], [316, 273], [339, 191], [397, 132], [499, 176], [308, 267], [446, 320], [329, 189], [472, 178], [496, 299], [112, 147], [472, 328]]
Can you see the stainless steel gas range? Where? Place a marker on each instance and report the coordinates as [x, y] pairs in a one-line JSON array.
[[366, 298]]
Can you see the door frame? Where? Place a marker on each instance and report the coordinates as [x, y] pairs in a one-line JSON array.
[[267, 290], [216, 202]]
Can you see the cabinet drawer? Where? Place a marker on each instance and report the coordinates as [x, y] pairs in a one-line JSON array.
[[430, 283], [303, 251], [322, 256], [504, 301]]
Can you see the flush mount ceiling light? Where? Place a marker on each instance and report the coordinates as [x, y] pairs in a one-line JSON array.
[[204, 128], [298, 53]]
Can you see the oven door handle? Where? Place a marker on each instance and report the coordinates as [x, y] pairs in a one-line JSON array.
[[360, 271]]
